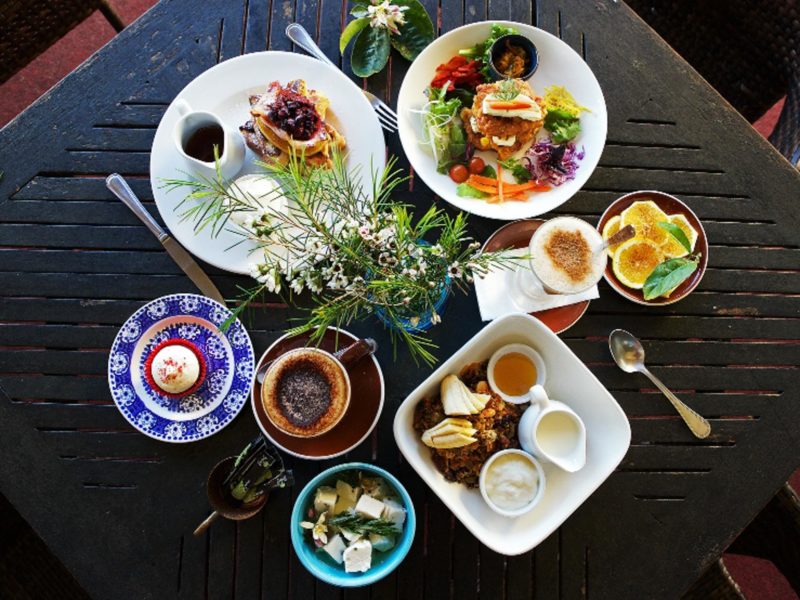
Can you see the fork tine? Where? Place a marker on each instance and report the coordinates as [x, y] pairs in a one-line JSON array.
[[389, 116], [388, 110], [385, 123]]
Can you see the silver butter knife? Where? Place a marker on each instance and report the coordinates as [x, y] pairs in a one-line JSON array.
[[120, 188]]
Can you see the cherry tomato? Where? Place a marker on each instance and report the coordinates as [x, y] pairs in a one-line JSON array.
[[476, 165], [459, 173]]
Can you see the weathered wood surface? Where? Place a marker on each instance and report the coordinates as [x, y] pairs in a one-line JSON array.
[[118, 508]]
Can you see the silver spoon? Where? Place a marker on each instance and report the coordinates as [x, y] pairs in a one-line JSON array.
[[629, 355]]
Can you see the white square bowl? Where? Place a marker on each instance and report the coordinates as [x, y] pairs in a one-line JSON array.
[[568, 380]]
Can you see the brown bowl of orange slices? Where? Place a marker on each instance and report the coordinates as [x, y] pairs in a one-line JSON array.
[[666, 259]]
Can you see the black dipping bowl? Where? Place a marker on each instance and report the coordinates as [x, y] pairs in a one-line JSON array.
[[531, 58]]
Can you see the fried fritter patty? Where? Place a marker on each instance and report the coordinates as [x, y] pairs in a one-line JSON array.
[[489, 126]]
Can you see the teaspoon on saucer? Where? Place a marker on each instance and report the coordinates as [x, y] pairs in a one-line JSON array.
[[628, 353]]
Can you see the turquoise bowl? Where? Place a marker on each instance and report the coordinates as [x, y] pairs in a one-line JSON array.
[[320, 564]]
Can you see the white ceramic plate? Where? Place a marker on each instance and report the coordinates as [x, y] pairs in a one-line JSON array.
[[224, 89], [558, 65], [607, 429]]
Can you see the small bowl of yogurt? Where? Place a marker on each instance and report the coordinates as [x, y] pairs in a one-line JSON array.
[[512, 482]]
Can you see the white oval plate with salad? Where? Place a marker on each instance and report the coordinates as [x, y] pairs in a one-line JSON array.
[[558, 65]]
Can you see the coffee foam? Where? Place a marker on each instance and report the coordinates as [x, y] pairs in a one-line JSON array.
[[323, 407], [553, 276]]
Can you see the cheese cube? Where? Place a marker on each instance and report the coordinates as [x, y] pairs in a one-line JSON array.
[[395, 513], [325, 499], [375, 487], [369, 507], [358, 557], [335, 548], [350, 536], [381, 543], [348, 496]]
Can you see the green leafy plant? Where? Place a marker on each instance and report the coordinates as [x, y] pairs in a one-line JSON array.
[[357, 251], [672, 272], [381, 25]]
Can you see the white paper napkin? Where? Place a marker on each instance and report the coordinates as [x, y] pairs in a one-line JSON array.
[[494, 300]]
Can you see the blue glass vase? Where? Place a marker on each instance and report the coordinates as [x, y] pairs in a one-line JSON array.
[[418, 323]]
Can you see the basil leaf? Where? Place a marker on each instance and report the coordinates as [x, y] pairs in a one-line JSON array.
[[667, 276], [465, 190], [353, 27], [370, 52], [677, 233], [488, 171], [415, 33]]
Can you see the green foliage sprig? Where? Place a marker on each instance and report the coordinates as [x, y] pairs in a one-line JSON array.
[[672, 272], [351, 246], [380, 25], [361, 525]]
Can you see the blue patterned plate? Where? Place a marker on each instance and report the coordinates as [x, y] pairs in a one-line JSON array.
[[229, 368]]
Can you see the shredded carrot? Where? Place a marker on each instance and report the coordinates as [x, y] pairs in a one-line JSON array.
[[475, 180], [489, 189], [500, 181], [500, 191], [482, 179]]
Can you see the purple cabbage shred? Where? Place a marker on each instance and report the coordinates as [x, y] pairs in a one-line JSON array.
[[552, 164]]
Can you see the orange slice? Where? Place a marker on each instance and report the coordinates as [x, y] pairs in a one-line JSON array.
[[673, 248], [610, 228], [634, 260], [645, 215]]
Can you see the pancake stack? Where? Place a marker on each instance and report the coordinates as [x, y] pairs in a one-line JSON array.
[[291, 120]]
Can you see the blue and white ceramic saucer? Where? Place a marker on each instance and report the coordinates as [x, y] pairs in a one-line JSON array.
[[229, 359]]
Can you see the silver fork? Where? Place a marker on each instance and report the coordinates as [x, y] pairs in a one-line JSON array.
[[298, 34]]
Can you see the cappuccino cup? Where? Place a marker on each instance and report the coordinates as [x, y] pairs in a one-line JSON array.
[[306, 392]]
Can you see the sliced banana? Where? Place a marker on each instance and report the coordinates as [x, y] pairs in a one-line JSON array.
[[453, 440], [458, 399], [479, 401], [450, 433]]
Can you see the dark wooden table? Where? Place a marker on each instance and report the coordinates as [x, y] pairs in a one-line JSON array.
[[118, 508]]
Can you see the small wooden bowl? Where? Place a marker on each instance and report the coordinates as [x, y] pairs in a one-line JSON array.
[[221, 502], [670, 205]]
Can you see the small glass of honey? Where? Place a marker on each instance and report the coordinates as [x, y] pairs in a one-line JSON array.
[[513, 370]]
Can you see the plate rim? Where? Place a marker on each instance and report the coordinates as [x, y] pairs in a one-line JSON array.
[[378, 163], [426, 474], [518, 24], [149, 434], [369, 431]]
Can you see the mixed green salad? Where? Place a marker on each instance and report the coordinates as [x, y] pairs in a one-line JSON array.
[[551, 160]]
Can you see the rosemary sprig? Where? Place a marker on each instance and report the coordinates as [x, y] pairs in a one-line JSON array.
[[361, 525]]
